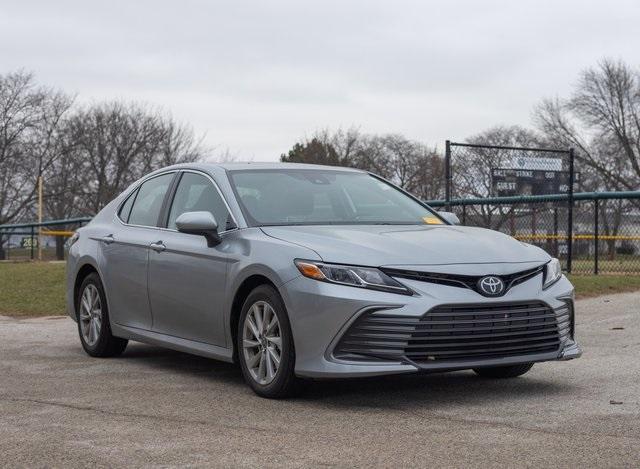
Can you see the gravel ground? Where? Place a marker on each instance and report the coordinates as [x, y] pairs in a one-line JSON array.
[[59, 407]]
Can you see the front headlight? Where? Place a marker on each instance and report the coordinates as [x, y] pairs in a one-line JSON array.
[[362, 277], [552, 273]]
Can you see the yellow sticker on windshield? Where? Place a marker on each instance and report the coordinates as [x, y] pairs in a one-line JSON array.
[[432, 220]]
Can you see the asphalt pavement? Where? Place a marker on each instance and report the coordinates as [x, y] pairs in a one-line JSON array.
[[150, 407]]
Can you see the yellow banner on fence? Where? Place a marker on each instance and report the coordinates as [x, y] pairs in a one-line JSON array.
[[578, 236], [56, 233]]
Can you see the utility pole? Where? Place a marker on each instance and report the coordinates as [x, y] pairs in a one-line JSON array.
[[40, 218], [570, 211]]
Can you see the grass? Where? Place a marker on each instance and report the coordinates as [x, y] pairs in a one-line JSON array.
[[620, 265], [37, 288], [32, 288], [24, 254], [596, 285]]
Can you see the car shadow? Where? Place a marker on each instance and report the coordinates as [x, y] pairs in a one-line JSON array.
[[180, 363], [429, 390], [395, 391]]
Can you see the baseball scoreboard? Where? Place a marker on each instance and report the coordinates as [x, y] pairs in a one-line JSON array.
[[531, 176]]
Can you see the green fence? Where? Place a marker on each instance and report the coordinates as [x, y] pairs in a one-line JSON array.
[[21, 241]]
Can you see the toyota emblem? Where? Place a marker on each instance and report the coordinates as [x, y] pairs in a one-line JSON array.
[[491, 285]]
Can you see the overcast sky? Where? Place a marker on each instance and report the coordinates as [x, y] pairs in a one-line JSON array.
[[256, 76]]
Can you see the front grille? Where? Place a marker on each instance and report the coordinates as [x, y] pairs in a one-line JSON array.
[[463, 281], [456, 333]]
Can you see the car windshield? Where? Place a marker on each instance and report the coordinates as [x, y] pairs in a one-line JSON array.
[[323, 197]]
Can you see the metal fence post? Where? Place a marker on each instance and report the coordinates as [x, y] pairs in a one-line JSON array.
[[596, 236], [464, 214], [447, 175], [512, 221], [555, 231], [570, 213], [33, 229]]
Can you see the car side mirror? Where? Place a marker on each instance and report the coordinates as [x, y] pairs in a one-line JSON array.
[[450, 217], [199, 223]]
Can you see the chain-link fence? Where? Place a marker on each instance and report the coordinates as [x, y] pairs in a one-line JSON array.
[[529, 194], [43, 241], [606, 226], [482, 171]]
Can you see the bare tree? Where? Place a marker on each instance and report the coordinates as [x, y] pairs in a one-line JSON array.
[[471, 169], [86, 157], [116, 143], [30, 121], [410, 164], [178, 144], [601, 119], [430, 181], [63, 183], [345, 143]]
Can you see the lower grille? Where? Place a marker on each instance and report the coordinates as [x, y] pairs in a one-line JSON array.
[[457, 332]]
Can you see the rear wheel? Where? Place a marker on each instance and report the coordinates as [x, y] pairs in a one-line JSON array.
[[265, 345], [93, 320], [511, 371]]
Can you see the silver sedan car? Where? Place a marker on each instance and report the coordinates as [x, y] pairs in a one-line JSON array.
[[301, 271]]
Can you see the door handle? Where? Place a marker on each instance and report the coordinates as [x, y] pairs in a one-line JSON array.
[[108, 239], [158, 247]]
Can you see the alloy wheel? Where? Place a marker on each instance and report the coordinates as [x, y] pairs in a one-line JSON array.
[[90, 315], [262, 342]]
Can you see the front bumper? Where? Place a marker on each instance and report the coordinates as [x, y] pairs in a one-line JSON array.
[[570, 351], [321, 313]]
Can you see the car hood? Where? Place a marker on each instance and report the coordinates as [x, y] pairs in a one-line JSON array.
[[386, 245]]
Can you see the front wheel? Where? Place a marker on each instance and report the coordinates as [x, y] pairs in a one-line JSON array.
[[511, 371], [265, 345]]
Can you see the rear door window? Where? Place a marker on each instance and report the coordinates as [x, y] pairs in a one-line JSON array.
[[148, 203]]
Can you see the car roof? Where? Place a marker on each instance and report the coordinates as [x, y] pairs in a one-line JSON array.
[[262, 166]]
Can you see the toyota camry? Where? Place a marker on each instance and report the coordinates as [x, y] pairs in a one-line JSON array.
[[302, 271]]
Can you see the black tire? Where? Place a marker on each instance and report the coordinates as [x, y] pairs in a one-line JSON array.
[[106, 344], [285, 383], [500, 372]]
